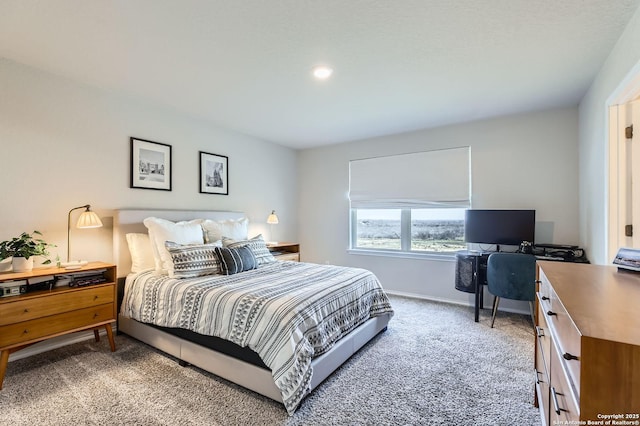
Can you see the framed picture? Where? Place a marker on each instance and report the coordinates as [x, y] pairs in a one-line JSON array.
[[628, 258], [150, 165], [214, 174]]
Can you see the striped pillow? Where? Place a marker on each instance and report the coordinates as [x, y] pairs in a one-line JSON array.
[[257, 246], [193, 260], [235, 260]]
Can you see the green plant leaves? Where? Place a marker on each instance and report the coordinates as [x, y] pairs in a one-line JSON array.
[[25, 245]]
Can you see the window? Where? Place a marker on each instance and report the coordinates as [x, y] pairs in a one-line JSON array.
[[378, 229], [410, 202], [413, 230], [437, 230]]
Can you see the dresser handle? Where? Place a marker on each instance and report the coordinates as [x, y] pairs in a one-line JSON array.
[[540, 331], [551, 313], [545, 298], [538, 373], [554, 397], [25, 331], [568, 356], [26, 311], [538, 282], [95, 297], [96, 315]]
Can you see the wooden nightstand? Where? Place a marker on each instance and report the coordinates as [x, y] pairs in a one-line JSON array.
[[285, 251], [29, 318]]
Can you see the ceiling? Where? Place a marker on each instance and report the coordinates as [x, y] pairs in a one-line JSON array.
[[399, 65]]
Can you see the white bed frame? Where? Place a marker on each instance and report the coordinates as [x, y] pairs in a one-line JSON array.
[[242, 373]]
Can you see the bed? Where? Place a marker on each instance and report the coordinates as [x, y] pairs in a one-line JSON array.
[[279, 329]]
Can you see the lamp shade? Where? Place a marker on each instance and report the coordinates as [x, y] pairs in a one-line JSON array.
[[89, 219], [272, 219]]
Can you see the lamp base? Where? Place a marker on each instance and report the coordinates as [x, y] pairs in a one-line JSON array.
[[74, 264]]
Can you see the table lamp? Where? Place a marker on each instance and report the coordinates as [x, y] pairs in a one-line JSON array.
[[87, 219], [272, 220]]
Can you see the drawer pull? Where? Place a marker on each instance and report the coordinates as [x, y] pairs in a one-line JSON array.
[[25, 331], [568, 356], [545, 298], [26, 311], [540, 331], [95, 297], [538, 282], [96, 315], [554, 397], [551, 313]]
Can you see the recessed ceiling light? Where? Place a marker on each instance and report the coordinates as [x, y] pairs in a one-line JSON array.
[[322, 72]]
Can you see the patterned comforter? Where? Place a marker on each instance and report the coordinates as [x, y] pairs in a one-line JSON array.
[[287, 312]]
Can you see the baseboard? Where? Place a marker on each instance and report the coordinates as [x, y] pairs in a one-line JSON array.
[[451, 301], [58, 342], [426, 297]]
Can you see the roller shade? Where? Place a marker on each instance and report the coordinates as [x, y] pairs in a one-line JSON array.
[[428, 179]]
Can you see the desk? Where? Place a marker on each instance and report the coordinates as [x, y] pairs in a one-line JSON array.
[[471, 269]]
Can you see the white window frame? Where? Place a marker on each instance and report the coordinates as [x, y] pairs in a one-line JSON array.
[[405, 240]]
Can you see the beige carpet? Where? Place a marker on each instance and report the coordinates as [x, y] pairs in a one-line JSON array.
[[433, 366]]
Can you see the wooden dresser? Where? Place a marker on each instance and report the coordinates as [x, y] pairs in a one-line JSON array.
[[587, 357], [35, 316]]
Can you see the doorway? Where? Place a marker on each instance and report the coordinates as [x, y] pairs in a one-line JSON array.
[[624, 167]]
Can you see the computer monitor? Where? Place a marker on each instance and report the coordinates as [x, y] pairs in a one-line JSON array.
[[507, 227]]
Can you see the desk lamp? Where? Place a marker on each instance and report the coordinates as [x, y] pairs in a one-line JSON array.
[[87, 219]]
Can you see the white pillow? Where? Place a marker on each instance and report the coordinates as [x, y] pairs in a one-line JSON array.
[[141, 253], [161, 230], [234, 229]]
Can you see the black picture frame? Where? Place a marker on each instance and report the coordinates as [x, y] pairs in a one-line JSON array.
[[214, 173], [150, 165]]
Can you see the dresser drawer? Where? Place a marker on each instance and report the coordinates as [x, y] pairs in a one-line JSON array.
[[566, 337], [542, 361], [54, 303], [563, 404], [544, 289], [560, 328], [23, 332], [543, 338], [542, 397]]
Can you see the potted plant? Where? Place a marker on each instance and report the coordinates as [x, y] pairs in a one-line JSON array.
[[22, 249]]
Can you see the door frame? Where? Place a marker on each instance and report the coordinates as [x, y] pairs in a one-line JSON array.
[[627, 91]]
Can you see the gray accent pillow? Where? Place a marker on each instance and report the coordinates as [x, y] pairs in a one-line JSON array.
[[193, 260], [235, 260], [257, 246]]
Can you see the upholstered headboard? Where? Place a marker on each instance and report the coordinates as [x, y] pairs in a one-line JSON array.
[[130, 220]]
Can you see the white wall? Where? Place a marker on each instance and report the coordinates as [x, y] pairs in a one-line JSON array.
[[594, 140], [525, 161], [63, 144]]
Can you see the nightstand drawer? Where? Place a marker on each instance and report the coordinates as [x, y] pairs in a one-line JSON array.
[[54, 303], [289, 256], [15, 334]]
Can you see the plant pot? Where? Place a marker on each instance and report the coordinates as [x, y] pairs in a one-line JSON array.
[[5, 265], [20, 264]]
